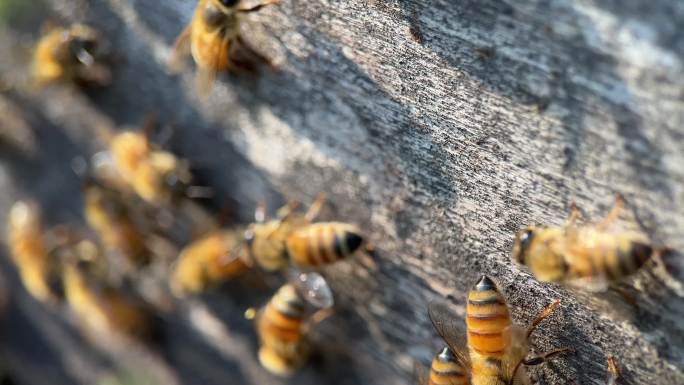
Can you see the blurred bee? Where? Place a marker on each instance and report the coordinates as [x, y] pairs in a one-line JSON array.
[[103, 310], [496, 348], [590, 256], [107, 214], [37, 267], [292, 238], [286, 320], [208, 260], [213, 38], [158, 177], [75, 53]]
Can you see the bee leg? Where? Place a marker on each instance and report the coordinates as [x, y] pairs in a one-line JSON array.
[[316, 318], [574, 214], [614, 212], [613, 371], [537, 360], [315, 207], [541, 316], [258, 6], [181, 49], [97, 74], [540, 359], [627, 296]]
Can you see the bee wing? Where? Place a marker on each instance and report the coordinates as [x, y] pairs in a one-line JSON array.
[[181, 49], [314, 288], [444, 322]]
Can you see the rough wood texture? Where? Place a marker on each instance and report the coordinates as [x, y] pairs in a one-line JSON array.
[[440, 127]]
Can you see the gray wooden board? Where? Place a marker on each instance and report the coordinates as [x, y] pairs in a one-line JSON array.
[[439, 127]]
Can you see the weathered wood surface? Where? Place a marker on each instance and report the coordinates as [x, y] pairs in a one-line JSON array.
[[440, 127]]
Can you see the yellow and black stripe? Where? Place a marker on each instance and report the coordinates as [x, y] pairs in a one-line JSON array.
[[280, 331], [323, 243], [446, 369], [488, 322]]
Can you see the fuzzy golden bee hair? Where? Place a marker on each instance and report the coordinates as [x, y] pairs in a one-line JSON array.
[[158, 177], [591, 256], [286, 320], [214, 258], [213, 39], [76, 53], [107, 214], [30, 253]]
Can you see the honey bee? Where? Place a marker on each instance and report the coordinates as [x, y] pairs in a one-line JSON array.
[[158, 177], [103, 310], [75, 53], [29, 252], [591, 256], [109, 216], [208, 260], [213, 38], [292, 238], [497, 349], [286, 320]]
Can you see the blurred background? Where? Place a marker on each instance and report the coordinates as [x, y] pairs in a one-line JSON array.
[[438, 128]]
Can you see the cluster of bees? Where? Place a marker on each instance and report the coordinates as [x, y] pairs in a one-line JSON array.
[[494, 350]]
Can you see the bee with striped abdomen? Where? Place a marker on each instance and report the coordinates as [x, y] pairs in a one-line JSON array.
[[497, 347], [74, 53], [591, 256], [213, 39], [285, 321], [30, 253], [293, 238], [451, 365], [209, 260]]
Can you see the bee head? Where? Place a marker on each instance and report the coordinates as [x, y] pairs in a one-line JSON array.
[[522, 244], [229, 3]]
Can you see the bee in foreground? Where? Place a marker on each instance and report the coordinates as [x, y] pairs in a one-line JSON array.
[[292, 238], [591, 256], [208, 260], [109, 216], [286, 320], [497, 349], [29, 252], [158, 177], [76, 53], [213, 38], [103, 310]]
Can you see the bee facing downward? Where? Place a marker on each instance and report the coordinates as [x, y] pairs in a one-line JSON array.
[[284, 323], [28, 249], [591, 256], [213, 37], [75, 53], [497, 348]]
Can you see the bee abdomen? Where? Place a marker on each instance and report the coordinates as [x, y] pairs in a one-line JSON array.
[[323, 243], [627, 258], [447, 370], [487, 319]]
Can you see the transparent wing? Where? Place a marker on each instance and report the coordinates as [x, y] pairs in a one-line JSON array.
[[451, 331], [313, 287]]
